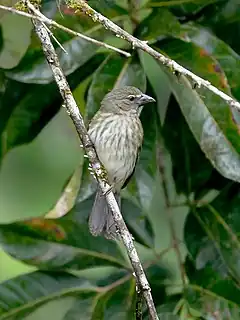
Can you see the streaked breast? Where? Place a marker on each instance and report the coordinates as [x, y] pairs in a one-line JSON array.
[[117, 139]]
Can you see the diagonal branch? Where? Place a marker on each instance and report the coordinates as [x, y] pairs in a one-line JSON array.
[[139, 44], [99, 171], [40, 17]]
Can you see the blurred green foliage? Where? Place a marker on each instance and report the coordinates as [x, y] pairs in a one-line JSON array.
[[182, 205]]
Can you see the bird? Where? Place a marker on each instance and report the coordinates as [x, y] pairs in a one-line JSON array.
[[117, 135]]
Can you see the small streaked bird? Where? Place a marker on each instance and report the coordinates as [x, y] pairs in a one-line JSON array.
[[117, 134]]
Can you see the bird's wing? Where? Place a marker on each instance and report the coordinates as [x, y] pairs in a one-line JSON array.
[[132, 173]]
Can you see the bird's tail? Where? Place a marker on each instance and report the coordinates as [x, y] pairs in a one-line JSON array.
[[101, 219]]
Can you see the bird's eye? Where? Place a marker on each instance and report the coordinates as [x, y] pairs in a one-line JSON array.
[[131, 97]]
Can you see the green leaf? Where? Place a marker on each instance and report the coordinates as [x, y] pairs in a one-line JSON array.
[[119, 303], [15, 44], [204, 65], [138, 223], [165, 311], [211, 304], [22, 295], [116, 303], [223, 19], [158, 81], [209, 133], [61, 243], [68, 196], [115, 71], [81, 307], [191, 169], [198, 60], [88, 185], [107, 7], [212, 238], [160, 22], [229, 60], [24, 114], [79, 52]]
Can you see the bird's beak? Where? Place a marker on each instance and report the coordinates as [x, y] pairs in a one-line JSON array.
[[143, 99]]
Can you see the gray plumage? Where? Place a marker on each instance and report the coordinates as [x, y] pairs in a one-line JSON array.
[[117, 134]]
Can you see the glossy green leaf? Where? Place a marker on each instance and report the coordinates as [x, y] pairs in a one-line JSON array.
[[15, 44], [62, 243], [228, 59], [22, 295], [198, 60], [201, 63], [158, 81], [79, 52], [8, 101], [115, 71], [212, 125]]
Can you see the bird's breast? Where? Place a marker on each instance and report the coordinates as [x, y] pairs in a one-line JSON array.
[[117, 139]]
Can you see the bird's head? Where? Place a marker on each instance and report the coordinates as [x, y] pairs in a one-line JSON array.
[[125, 100]]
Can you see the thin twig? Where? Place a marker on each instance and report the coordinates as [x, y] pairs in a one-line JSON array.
[[73, 111], [139, 44], [40, 17], [21, 13], [54, 38]]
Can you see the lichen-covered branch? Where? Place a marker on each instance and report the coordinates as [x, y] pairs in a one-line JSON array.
[[139, 44], [97, 168]]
